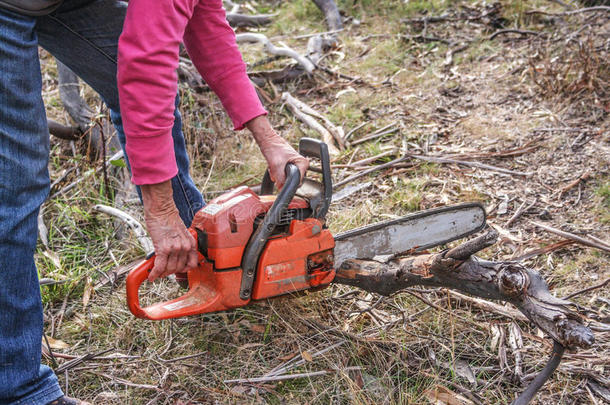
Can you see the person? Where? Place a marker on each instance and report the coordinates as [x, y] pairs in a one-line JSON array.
[[84, 35]]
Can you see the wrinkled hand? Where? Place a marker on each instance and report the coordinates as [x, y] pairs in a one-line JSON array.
[[276, 150], [175, 248]]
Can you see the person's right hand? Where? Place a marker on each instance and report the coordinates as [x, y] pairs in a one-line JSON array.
[[175, 247]]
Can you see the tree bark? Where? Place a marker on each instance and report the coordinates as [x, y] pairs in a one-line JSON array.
[[458, 269]]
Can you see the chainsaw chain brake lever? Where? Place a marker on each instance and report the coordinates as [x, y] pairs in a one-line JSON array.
[[258, 240]]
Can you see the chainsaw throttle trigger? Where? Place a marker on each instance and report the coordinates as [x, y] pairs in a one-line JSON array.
[[261, 235]]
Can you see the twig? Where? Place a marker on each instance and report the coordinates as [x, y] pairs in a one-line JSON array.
[[489, 306], [576, 238], [513, 31], [584, 290], [369, 171], [288, 376], [544, 250], [520, 212], [292, 363], [574, 183], [377, 134], [471, 164], [126, 382], [135, 226], [579, 11], [75, 362]]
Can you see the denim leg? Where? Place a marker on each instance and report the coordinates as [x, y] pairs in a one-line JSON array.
[[83, 34], [24, 185]]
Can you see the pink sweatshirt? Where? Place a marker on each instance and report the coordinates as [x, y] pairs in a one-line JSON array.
[[147, 62]]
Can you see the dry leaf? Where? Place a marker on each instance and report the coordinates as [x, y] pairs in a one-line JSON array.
[[440, 395], [56, 344], [87, 292], [288, 356], [53, 257], [306, 356], [257, 328]]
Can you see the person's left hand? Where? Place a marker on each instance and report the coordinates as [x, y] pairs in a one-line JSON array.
[[276, 150]]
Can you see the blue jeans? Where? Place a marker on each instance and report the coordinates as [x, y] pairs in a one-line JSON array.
[[82, 34]]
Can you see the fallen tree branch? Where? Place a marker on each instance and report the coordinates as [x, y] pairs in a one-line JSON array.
[[303, 112], [131, 222], [504, 281], [274, 50]]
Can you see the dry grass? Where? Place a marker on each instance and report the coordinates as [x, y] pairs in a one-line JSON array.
[[497, 95]]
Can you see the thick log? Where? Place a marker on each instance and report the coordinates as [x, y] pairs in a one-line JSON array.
[[455, 269]]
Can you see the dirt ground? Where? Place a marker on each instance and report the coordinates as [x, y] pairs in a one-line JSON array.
[[528, 108]]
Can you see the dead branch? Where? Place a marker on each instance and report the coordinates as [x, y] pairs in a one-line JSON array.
[[130, 221], [336, 132], [504, 281], [513, 31], [318, 44], [243, 20], [274, 50], [306, 114], [65, 132]]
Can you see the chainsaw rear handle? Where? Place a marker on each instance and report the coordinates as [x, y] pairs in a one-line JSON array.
[[310, 147], [314, 148], [259, 238]]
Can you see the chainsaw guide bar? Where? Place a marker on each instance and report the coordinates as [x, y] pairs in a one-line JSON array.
[[418, 231]]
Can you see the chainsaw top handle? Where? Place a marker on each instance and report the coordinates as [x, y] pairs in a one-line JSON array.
[[259, 238], [313, 148]]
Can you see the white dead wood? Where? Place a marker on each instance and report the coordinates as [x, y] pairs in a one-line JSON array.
[[337, 132], [288, 376], [275, 50], [43, 232], [131, 222], [308, 115]]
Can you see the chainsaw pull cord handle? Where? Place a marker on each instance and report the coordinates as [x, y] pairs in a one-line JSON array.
[[258, 240]]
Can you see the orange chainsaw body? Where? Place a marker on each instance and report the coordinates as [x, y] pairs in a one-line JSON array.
[[297, 256]]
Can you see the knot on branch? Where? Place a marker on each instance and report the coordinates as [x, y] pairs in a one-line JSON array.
[[512, 280], [574, 334]]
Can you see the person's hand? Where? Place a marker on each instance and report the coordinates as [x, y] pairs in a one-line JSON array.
[[175, 247], [276, 150]]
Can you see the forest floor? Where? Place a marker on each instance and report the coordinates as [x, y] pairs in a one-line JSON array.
[[534, 103]]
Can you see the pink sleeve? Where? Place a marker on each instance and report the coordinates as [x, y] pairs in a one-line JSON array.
[[147, 62], [210, 42]]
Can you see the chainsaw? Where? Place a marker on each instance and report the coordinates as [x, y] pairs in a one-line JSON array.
[[252, 246]]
